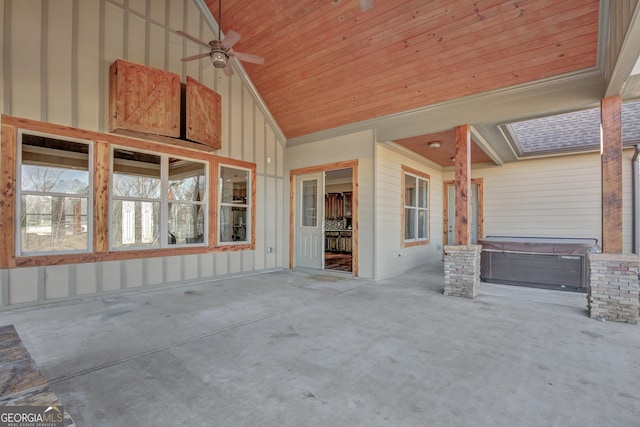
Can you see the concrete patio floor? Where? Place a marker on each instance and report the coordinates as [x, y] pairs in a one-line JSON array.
[[293, 349]]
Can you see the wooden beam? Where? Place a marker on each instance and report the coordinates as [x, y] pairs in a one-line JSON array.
[[101, 185], [8, 153], [463, 184], [445, 188], [611, 161]]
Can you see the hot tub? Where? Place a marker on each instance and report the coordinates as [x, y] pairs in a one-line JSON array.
[[544, 262]]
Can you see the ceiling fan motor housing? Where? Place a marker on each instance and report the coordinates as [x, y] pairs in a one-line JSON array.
[[219, 58]]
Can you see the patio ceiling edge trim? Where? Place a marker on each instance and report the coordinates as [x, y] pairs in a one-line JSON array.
[[485, 146], [420, 121]]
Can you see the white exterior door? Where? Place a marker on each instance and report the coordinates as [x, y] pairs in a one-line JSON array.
[[309, 220]]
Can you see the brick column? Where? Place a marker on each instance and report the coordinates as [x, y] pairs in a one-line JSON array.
[[462, 270], [612, 292]]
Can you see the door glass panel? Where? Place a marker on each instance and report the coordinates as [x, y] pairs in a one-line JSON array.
[[310, 203]]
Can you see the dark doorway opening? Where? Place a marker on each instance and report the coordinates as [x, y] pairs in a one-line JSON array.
[[338, 209]]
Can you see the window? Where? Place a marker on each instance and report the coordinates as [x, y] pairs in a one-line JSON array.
[[55, 195], [76, 196], [235, 205], [415, 206], [136, 199], [157, 195], [187, 201]]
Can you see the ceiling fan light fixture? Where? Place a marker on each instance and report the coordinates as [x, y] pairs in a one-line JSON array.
[[220, 51], [219, 58], [435, 144]]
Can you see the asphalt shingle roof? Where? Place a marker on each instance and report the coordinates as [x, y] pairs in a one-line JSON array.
[[572, 131]]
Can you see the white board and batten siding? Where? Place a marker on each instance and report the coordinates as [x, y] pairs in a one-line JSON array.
[[391, 257], [550, 197], [55, 68], [358, 146]]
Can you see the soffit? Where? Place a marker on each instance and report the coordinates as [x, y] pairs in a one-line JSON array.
[[444, 154]]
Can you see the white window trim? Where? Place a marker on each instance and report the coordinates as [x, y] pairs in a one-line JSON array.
[[204, 202], [248, 206], [416, 208], [163, 200], [18, 198]]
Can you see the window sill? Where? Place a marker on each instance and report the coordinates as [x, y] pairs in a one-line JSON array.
[[409, 244], [121, 255]]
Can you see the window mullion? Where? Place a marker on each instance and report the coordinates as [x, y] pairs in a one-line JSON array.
[[164, 201], [18, 208], [416, 208]]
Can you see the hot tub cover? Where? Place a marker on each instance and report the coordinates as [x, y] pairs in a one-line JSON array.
[[540, 245]]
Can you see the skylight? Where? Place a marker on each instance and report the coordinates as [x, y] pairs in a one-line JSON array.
[[576, 131]]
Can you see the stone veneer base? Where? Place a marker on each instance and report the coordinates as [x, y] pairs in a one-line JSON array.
[[613, 290], [462, 270]]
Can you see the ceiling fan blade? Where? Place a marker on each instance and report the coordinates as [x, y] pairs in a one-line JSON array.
[[228, 70], [193, 39], [230, 39], [248, 57], [198, 56], [366, 5]]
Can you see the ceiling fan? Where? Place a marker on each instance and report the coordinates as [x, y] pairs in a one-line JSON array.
[[220, 50]]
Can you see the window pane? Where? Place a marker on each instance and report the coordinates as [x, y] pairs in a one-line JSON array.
[[139, 187], [46, 179], [186, 223], [310, 203], [423, 189], [409, 224], [234, 184], [53, 224], [187, 180], [135, 223], [54, 165], [422, 224], [409, 190], [136, 174], [233, 224], [55, 219]]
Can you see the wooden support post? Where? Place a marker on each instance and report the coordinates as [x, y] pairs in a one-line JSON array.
[[8, 156], [611, 160], [101, 185], [463, 184]]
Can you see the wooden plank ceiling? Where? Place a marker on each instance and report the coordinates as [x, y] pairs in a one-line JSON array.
[[330, 64], [444, 152]]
